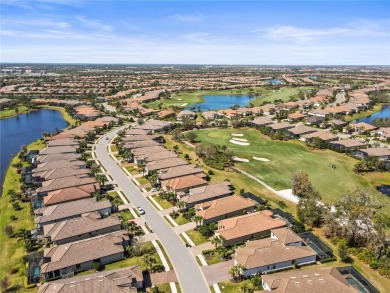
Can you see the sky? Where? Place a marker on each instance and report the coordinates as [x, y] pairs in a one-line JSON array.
[[196, 32]]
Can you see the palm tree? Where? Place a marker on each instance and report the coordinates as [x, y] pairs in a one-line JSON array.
[[181, 205], [197, 219], [149, 261], [235, 271], [217, 241], [101, 179], [117, 201]]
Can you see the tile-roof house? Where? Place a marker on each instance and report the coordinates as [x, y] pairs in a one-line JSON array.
[[80, 228], [124, 280], [155, 157], [223, 208], [347, 144], [182, 184], [80, 256], [140, 144], [60, 183], [180, 171], [206, 193], [70, 210], [321, 280], [69, 194], [278, 252], [248, 227], [382, 153], [163, 164], [186, 114]]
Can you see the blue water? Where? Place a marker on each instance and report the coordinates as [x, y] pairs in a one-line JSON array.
[[222, 102], [23, 130], [384, 113], [275, 81]]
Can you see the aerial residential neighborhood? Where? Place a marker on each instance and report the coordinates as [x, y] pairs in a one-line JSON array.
[[217, 146]]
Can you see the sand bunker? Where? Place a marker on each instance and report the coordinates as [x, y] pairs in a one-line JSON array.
[[239, 142], [182, 105], [179, 99], [240, 139], [237, 134], [237, 159], [261, 159]]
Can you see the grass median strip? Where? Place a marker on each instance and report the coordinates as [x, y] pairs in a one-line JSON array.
[[165, 254]]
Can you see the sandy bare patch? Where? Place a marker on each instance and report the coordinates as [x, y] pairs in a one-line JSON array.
[[237, 134], [287, 194], [237, 159], [239, 142], [240, 139], [182, 105], [261, 159], [179, 99]]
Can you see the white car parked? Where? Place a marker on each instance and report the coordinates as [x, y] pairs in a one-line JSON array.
[[140, 210]]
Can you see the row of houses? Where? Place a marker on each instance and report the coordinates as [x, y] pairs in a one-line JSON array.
[[75, 228]]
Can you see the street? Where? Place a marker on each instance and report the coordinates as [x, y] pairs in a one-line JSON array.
[[187, 269]]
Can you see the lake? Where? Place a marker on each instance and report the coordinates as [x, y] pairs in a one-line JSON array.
[[384, 113], [23, 130], [275, 81], [222, 102]]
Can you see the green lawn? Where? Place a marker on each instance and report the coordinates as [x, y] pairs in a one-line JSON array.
[[12, 250], [11, 112], [230, 287], [113, 148], [142, 180], [196, 237], [289, 157], [180, 220], [115, 194], [165, 254], [162, 202], [132, 261], [166, 288], [186, 99]]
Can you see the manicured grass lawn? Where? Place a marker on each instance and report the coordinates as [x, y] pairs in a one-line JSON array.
[[180, 220], [115, 194], [126, 216], [213, 259], [113, 148], [166, 288], [165, 254], [194, 97], [11, 112], [196, 237], [237, 179], [142, 180], [12, 251], [162, 202], [132, 261], [230, 287], [289, 157]]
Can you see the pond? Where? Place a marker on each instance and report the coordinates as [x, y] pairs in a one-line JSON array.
[[275, 81], [222, 102], [384, 113], [384, 189], [23, 130]]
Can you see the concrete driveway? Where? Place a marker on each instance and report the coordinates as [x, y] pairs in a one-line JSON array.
[[218, 272], [187, 269]]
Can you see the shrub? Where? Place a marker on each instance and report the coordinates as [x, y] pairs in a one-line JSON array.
[[328, 259], [375, 264], [211, 172], [207, 251], [9, 230], [174, 214], [97, 266], [13, 217]]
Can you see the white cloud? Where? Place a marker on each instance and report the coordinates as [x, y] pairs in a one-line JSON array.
[[93, 23], [187, 17], [299, 34]]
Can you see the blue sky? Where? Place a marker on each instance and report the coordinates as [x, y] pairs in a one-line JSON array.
[[202, 32]]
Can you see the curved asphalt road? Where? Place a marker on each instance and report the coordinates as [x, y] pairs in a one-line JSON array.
[[187, 269]]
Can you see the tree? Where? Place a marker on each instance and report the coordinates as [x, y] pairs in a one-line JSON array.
[[117, 201], [235, 271], [149, 261], [102, 179], [356, 211], [191, 136], [343, 251], [176, 148], [197, 219], [218, 241], [181, 205], [301, 185], [310, 211]]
